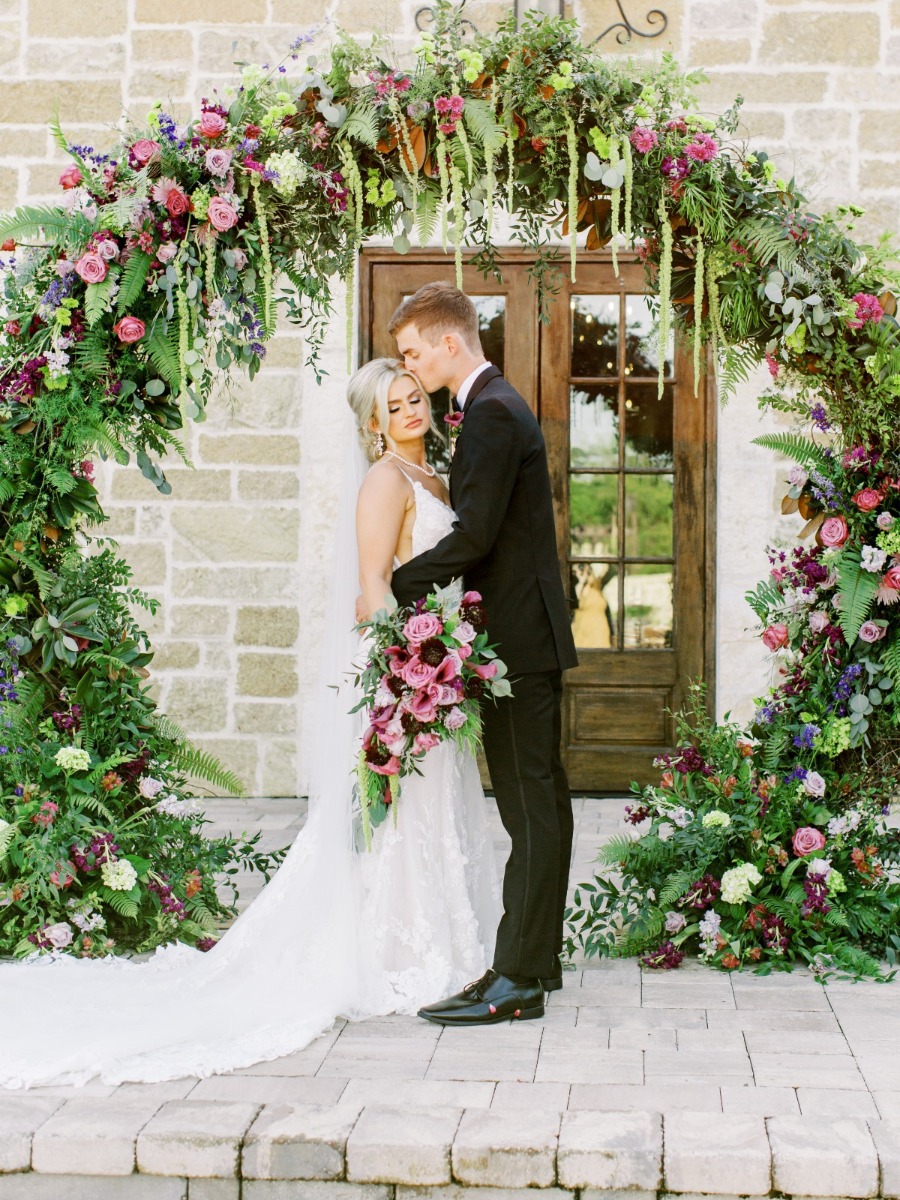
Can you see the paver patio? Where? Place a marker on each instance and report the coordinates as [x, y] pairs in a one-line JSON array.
[[793, 1082]]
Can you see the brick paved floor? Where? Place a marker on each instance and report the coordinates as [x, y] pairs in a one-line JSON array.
[[615, 1038]]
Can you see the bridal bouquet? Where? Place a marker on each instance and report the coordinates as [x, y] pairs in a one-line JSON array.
[[429, 667]]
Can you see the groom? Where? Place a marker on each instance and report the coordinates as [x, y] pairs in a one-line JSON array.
[[503, 544]]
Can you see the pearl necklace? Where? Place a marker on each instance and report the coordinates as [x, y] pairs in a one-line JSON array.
[[429, 472]]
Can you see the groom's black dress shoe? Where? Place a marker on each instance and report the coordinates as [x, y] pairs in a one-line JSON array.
[[488, 1001]]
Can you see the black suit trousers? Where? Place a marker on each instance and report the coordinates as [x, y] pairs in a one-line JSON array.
[[522, 736]]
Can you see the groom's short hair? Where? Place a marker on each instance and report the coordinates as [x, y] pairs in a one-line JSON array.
[[438, 308]]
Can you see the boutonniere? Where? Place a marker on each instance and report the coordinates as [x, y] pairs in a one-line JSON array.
[[454, 420]]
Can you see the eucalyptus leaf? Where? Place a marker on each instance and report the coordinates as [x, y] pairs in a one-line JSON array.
[[613, 177], [154, 387], [592, 166], [402, 244]]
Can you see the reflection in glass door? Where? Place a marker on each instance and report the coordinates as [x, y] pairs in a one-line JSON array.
[[621, 476]]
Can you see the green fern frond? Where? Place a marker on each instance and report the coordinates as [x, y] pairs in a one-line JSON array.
[[202, 765], [163, 353], [134, 273], [6, 838], [737, 365], [361, 125], [764, 598], [120, 902], [769, 241], [427, 214], [479, 119], [51, 225], [891, 660], [793, 445], [676, 886], [856, 596], [616, 849]]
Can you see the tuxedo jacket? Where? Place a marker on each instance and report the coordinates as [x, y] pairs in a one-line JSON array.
[[503, 541]]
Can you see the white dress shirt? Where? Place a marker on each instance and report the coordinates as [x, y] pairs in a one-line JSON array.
[[466, 386]]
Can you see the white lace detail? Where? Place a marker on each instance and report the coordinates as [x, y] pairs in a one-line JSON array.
[[334, 934]]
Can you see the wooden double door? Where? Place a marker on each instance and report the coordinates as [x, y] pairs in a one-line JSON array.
[[633, 485]]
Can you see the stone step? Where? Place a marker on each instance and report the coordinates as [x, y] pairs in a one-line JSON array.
[[103, 1148]]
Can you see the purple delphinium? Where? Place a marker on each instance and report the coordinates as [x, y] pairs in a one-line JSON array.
[[844, 688], [797, 775], [819, 417], [805, 738]]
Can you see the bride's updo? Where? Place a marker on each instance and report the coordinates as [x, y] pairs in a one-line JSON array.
[[367, 395]]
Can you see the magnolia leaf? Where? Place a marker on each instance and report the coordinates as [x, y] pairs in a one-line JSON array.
[[789, 505], [811, 526]]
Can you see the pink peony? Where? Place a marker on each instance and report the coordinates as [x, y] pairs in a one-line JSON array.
[[424, 742], [867, 499], [868, 308], [222, 215], [871, 631], [212, 125], [70, 178], [129, 329], [218, 161], [486, 670], [807, 841], [417, 674], [144, 150], [703, 148], [776, 637], [833, 531], [644, 140], [91, 267], [421, 627]]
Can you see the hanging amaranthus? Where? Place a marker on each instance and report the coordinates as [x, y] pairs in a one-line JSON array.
[[629, 188], [464, 142], [572, 150], [665, 285], [459, 219], [713, 270], [349, 290], [355, 190], [489, 167], [445, 184], [209, 262], [699, 277], [184, 333], [409, 164], [511, 156], [265, 254], [615, 199]]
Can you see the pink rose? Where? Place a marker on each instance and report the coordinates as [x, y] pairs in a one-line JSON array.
[[807, 841], [871, 631], [221, 214], [833, 531], [417, 674], [168, 193], [70, 178], [464, 650], [91, 267], [58, 935], [867, 499], [212, 125], [775, 637], [424, 742], [486, 670], [442, 694], [218, 161], [464, 633], [455, 719], [818, 621], [107, 249], [240, 259], [144, 150], [61, 877], [892, 578], [129, 329], [425, 625], [471, 598], [884, 520], [167, 252]]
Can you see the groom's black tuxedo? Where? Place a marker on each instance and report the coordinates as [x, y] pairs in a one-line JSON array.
[[503, 544]]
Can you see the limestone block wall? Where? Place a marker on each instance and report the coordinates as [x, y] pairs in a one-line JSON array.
[[240, 553]]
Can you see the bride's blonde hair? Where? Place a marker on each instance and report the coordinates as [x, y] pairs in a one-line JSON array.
[[367, 395]]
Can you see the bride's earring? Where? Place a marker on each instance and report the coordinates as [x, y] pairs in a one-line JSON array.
[[379, 444]]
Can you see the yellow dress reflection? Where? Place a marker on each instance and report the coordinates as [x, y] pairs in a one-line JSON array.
[[591, 625]]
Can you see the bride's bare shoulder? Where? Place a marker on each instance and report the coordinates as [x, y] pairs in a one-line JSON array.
[[385, 487]]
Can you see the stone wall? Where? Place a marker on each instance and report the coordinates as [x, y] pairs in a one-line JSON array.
[[240, 552]]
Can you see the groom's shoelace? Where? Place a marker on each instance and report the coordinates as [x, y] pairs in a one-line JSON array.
[[477, 989]]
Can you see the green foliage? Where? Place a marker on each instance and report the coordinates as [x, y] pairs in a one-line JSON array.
[[857, 594], [801, 449]]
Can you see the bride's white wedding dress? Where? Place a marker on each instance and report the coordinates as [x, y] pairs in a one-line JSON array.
[[335, 933]]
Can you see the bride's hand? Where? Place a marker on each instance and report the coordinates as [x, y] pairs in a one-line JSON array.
[[362, 613]]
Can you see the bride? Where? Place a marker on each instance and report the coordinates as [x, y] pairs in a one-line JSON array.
[[337, 932]]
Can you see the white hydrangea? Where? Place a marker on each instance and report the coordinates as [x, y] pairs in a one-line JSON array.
[[739, 882], [118, 876], [716, 819], [171, 806], [873, 558], [291, 173], [72, 758]]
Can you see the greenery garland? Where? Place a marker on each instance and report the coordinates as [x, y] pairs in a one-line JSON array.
[[123, 307]]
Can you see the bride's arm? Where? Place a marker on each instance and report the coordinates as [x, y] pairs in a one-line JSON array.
[[380, 510]]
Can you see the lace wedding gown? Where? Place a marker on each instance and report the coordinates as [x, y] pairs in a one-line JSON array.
[[335, 933]]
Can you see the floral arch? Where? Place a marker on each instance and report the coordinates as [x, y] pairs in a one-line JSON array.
[[161, 271]]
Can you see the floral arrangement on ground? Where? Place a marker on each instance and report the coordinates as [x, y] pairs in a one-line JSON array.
[[160, 273]]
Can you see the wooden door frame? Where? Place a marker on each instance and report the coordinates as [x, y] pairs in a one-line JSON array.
[[516, 256]]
